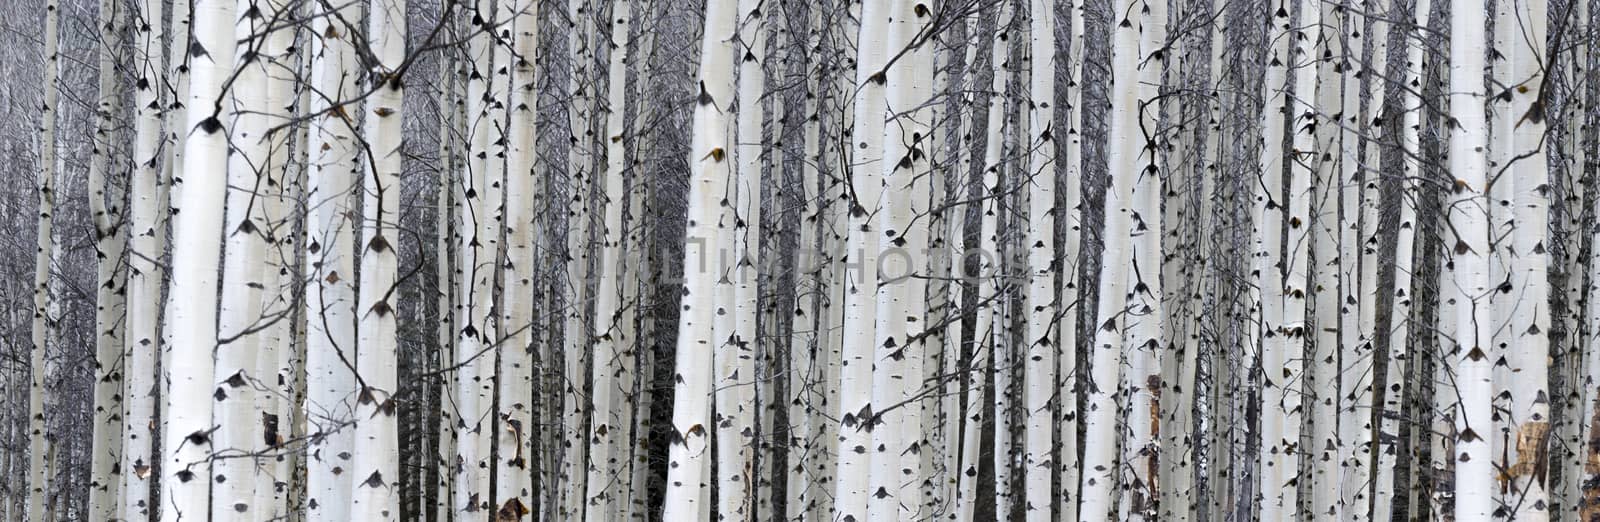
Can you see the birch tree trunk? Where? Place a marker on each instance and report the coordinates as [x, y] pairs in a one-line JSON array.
[[110, 243], [1070, 387], [475, 353], [611, 375], [145, 270], [1040, 389], [575, 335], [807, 350], [375, 494], [191, 303], [1401, 311], [1267, 295], [514, 481], [240, 343], [1468, 215], [1357, 435], [736, 401], [1529, 326], [1284, 345], [1126, 162], [39, 440], [901, 316], [329, 269], [1322, 368], [1145, 315], [865, 186], [689, 442]]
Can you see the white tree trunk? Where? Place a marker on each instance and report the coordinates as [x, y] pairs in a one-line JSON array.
[[1145, 313], [576, 336], [864, 186], [1284, 342], [1069, 388], [1471, 362], [330, 269], [1527, 170], [1100, 469], [738, 256], [191, 303], [110, 242], [514, 482], [690, 444], [145, 270], [611, 377], [1040, 386], [45, 247], [901, 317], [1359, 409], [375, 494], [475, 350], [1401, 314], [1320, 470]]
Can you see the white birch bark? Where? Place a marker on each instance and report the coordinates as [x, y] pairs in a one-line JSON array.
[[864, 186], [1100, 469], [514, 480], [191, 303], [1040, 386], [1401, 310], [145, 270], [688, 453], [44, 253], [1142, 384], [575, 334], [241, 342], [612, 378], [106, 200], [901, 316], [807, 342], [375, 467], [1070, 387], [738, 256], [1529, 323], [330, 269], [475, 354], [1266, 296], [1285, 344], [1326, 263], [1357, 389], [1467, 213]]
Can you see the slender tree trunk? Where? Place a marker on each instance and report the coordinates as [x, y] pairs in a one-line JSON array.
[[330, 271], [1401, 313], [1470, 361], [145, 269], [1359, 412], [690, 444], [864, 186], [514, 481], [736, 353], [191, 303], [475, 348], [1070, 386], [106, 200], [1529, 327], [374, 495], [1040, 389], [39, 440], [1321, 443], [575, 459], [1100, 470], [612, 377], [1145, 315], [896, 424]]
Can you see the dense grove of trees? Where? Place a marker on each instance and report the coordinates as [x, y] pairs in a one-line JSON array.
[[847, 260]]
